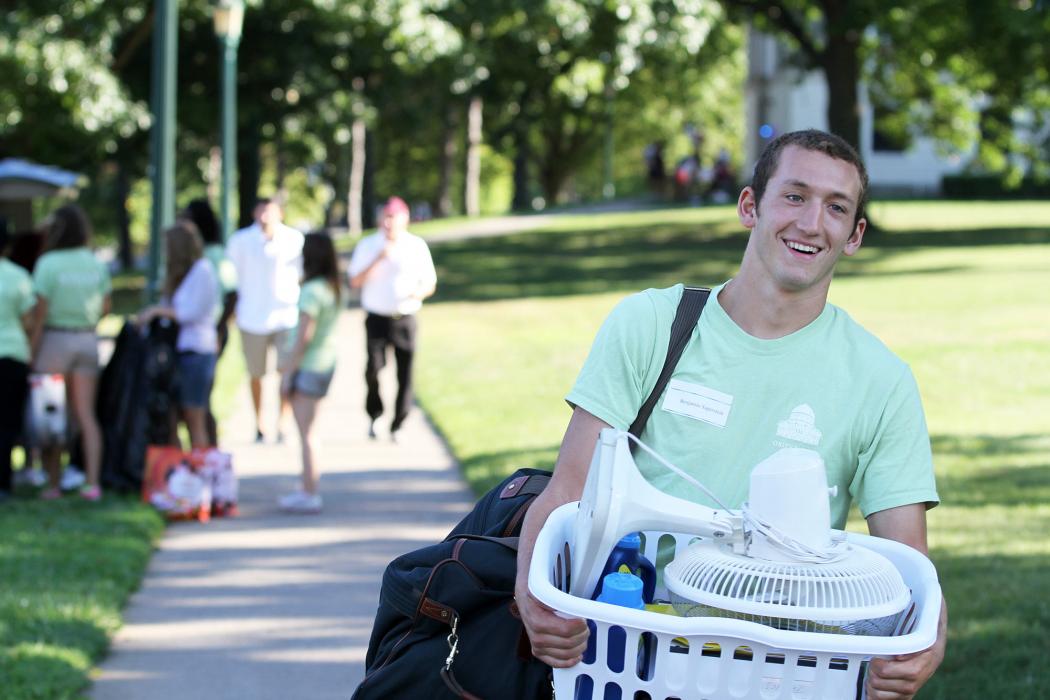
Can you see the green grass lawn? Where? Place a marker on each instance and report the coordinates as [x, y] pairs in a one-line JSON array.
[[68, 567], [958, 289]]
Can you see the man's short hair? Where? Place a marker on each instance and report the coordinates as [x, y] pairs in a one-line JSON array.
[[809, 140]]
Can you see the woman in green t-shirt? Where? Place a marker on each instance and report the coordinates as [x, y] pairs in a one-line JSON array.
[[16, 315], [310, 363], [73, 293]]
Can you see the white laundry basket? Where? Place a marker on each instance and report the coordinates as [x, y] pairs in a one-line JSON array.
[[724, 659]]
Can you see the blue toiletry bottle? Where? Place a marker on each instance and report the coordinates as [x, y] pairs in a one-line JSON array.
[[625, 590], [628, 553]]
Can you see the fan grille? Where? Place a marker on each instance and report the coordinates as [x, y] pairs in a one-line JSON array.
[[863, 593]]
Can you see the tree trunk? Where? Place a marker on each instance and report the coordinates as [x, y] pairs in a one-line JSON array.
[[472, 188], [280, 168], [123, 218], [521, 201], [249, 172], [336, 214], [368, 190], [446, 163], [214, 173], [553, 179], [357, 176], [841, 66]]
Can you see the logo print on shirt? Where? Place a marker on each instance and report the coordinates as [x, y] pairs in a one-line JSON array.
[[800, 426]]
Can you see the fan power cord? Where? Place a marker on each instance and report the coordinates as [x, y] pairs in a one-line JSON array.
[[802, 552]]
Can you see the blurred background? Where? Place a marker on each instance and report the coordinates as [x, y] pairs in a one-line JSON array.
[[470, 107]]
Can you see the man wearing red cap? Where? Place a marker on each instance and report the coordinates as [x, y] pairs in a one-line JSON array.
[[395, 273]]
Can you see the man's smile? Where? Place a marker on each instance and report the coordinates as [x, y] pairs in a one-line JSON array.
[[802, 247]]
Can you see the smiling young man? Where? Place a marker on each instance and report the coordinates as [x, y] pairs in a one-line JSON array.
[[770, 364]]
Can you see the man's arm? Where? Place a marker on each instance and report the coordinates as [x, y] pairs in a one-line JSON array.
[[901, 677], [555, 640]]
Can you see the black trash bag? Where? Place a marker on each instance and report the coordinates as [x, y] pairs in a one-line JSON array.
[[137, 398]]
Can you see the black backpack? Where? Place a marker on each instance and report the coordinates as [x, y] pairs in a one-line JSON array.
[[447, 625], [446, 614]]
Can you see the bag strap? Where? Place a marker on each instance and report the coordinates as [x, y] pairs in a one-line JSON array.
[[689, 308]]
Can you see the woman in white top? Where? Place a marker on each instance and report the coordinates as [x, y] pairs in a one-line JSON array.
[[191, 299]]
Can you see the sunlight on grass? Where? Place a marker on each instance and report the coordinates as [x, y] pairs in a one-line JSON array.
[[69, 567]]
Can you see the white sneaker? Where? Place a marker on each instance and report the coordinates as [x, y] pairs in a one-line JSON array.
[[72, 478], [34, 477], [300, 502]]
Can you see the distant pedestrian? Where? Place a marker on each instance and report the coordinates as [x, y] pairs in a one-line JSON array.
[[268, 259], [16, 322], [73, 293], [191, 299], [655, 168], [723, 179], [309, 364], [395, 273]]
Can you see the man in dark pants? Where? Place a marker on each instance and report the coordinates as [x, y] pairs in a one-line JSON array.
[[395, 273]]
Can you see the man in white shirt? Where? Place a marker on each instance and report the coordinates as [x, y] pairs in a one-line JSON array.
[[268, 258], [395, 273]]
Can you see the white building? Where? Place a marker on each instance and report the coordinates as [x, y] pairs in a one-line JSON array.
[[781, 96]]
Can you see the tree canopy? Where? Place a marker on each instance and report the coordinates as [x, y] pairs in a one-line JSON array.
[[561, 88]]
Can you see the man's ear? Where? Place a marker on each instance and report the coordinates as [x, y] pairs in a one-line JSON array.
[[855, 238], [747, 208]]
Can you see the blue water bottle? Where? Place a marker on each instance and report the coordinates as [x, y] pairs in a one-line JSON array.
[[625, 590], [628, 553]]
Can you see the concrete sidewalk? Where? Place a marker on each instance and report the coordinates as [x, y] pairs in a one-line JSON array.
[[270, 605]]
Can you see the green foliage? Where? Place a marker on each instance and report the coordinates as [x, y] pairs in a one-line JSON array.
[[957, 289], [972, 75], [308, 68], [59, 99]]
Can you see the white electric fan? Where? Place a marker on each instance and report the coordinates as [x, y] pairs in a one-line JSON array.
[[776, 561]]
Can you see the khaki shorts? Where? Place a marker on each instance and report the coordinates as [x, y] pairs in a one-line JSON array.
[[256, 350], [67, 351]]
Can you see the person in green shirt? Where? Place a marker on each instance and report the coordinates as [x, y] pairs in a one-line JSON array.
[[73, 292], [16, 318], [309, 364], [770, 364]]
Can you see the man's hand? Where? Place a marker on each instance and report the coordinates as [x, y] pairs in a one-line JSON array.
[[900, 677], [556, 641]]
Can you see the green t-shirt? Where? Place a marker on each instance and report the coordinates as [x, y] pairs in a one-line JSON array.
[[75, 285], [734, 400], [225, 272], [317, 300], [16, 298]]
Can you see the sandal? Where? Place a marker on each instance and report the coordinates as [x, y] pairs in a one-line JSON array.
[[91, 493], [50, 494]]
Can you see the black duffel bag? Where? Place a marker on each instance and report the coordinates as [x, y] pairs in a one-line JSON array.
[[447, 625]]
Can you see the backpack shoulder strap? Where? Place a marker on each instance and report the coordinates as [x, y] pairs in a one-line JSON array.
[[689, 308]]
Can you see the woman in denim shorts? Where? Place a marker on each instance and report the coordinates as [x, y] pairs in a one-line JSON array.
[[310, 362], [191, 297]]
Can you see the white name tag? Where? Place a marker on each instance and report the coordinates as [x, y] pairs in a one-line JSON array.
[[697, 402]]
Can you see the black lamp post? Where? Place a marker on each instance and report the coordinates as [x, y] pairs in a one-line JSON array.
[[229, 17]]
